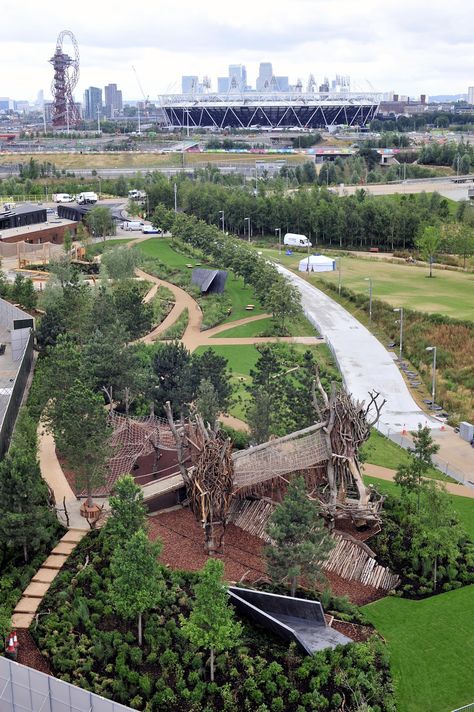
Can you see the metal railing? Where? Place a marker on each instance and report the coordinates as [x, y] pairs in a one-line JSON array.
[[23, 689], [466, 707]]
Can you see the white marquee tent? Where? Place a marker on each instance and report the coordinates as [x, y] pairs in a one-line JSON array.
[[317, 263]]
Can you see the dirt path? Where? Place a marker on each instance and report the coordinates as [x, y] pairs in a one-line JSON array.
[[231, 324], [384, 473]]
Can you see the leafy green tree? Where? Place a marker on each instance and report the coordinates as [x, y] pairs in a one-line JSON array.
[[301, 542], [26, 519], [259, 415], [284, 302], [211, 624], [410, 476], [210, 366], [119, 263], [81, 430], [428, 243], [23, 292], [135, 316], [128, 513], [67, 241], [439, 534], [172, 368], [5, 625], [100, 222], [137, 583], [207, 403]]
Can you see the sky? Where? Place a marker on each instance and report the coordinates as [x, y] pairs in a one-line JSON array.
[[409, 46]]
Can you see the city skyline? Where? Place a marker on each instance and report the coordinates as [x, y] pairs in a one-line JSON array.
[[408, 49]]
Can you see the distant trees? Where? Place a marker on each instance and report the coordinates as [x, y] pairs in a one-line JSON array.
[[100, 222]]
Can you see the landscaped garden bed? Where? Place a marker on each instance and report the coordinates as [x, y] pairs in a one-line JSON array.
[[86, 643]]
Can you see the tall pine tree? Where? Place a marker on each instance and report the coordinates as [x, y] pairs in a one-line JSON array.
[[301, 542]]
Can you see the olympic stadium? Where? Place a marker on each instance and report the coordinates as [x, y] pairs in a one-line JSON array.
[[277, 110]]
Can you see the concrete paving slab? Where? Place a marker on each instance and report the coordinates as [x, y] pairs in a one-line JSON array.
[[55, 561], [27, 605], [22, 620], [64, 547], [36, 589], [74, 535], [45, 575]]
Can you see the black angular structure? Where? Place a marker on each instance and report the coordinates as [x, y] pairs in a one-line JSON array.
[[293, 619], [209, 281]]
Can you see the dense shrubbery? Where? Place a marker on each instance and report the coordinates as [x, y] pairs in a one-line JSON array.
[[88, 645], [428, 558]]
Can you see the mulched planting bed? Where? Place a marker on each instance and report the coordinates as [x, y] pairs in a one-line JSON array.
[[28, 653], [357, 633], [183, 548]]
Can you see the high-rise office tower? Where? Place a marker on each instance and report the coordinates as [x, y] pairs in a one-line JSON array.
[[92, 103], [264, 79], [189, 84], [470, 96], [113, 100]]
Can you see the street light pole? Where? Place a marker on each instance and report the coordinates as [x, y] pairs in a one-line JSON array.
[[248, 220], [400, 310], [369, 280], [340, 275], [221, 213], [175, 198], [278, 230], [433, 385]]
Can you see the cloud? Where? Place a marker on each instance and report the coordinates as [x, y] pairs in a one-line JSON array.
[[412, 46]]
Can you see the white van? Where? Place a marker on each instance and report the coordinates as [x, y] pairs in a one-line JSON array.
[[133, 225], [294, 240], [63, 198]]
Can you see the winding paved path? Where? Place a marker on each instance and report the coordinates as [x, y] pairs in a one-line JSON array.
[[366, 365]]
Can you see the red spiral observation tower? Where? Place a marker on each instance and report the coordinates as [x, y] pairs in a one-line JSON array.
[[66, 76]]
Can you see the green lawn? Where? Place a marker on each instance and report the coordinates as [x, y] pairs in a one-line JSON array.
[[432, 645], [298, 327], [448, 292], [463, 506], [379, 450], [239, 294]]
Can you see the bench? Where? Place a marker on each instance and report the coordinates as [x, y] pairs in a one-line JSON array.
[[250, 307]]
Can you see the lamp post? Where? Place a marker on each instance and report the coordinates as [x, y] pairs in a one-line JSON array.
[[400, 310], [339, 264], [248, 220], [221, 213], [369, 280], [175, 198], [278, 230], [433, 385]]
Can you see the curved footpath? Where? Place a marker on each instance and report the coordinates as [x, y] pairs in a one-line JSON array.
[[366, 365]]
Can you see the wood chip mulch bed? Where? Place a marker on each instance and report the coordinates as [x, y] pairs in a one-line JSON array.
[[183, 548], [29, 654], [357, 633]]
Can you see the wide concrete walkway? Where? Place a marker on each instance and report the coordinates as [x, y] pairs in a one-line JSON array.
[[366, 366]]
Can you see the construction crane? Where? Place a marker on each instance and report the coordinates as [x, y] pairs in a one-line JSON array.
[[146, 99]]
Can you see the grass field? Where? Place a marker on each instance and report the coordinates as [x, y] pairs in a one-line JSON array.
[[432, 645], [241, 360], [298, 327], [138, 160], [239, 293], [463, 506], [448, 292], [379, 450]]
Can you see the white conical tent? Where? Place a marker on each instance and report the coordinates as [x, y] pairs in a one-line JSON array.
[[317, 263]]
